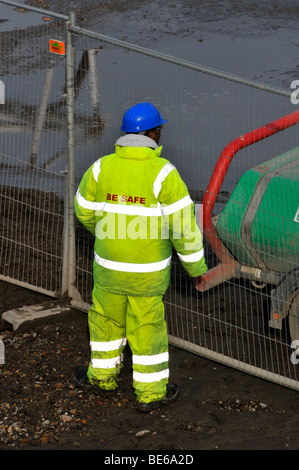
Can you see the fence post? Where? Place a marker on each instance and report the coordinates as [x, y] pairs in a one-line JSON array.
[[69, 255]]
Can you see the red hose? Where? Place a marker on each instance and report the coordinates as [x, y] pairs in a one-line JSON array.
[[227, 268]]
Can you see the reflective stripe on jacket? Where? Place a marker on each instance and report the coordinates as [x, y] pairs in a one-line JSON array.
[[138, 207]]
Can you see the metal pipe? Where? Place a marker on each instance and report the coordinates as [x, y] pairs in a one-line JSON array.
[[256, 274], [36, 10], [180, 62], [248, 368], [29, 286], [68, 275], [70, 99]]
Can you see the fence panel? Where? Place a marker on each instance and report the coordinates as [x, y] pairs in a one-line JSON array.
[[230, 323], [32, 149]]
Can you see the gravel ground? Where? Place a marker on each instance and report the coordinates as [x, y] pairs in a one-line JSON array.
[[219, 408]]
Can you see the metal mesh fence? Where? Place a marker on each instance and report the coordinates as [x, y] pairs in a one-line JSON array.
[[232, 322], [32, 149]]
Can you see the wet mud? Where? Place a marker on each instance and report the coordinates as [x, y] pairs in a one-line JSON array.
[[218, 408]]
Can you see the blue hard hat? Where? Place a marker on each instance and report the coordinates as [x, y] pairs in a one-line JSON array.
[[141, 117]]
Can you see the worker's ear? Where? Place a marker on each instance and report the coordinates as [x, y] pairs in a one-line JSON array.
[[155, 135]]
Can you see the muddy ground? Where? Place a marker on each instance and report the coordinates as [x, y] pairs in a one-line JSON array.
[[219, 408]]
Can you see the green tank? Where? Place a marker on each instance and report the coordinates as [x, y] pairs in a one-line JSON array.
[[260, 222]]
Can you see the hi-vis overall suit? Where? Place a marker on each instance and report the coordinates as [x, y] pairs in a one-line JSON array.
[[138, 208]]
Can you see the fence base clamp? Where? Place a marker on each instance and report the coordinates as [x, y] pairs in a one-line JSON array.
[[18, 316]]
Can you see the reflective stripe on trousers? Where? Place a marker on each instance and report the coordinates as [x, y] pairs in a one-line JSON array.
[[117, 319]]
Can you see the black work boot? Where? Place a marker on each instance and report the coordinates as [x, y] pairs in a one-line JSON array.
[[171, 395], [82, 381]]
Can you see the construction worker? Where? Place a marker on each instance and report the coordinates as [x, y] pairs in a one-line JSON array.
[[136, 205]]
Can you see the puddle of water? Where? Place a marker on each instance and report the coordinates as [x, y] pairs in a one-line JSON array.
[[204, 113], [10, 18]]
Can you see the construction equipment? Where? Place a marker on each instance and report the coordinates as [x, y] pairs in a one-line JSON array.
[[256, 235]]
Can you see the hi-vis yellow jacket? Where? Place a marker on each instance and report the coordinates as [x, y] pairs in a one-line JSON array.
[[138, 208]]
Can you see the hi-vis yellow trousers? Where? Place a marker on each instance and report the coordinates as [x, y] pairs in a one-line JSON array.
[[115, 320]]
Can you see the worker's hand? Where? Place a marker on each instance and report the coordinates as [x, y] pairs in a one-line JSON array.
[[196, 281]]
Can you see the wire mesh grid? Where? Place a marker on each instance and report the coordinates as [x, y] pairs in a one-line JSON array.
[[33, 146], [230, 322]]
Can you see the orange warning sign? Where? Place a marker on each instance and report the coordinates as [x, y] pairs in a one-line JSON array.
[[56, 46]]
